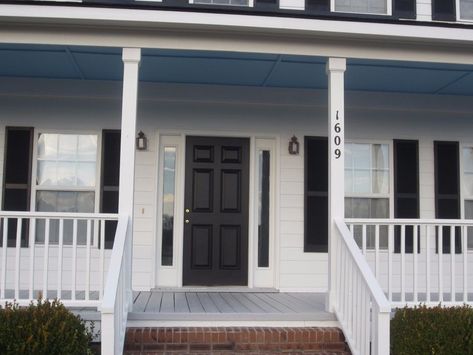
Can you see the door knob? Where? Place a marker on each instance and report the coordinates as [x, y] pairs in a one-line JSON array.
[[187, 210]]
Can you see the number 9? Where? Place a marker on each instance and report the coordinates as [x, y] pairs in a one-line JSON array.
[[338, 153]]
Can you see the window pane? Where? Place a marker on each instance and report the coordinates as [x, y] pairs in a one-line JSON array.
[[47, 173], [67, 149], [380, 156], [87, 147], [47, 146], [169, 174], [361, 154], [380, 182], [86, 174], [469, 215], [348, 181], [466, 9], [65, 174], [362, 181], [263, 208], [362, 6]]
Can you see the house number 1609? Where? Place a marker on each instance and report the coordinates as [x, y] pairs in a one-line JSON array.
[[337, 139]]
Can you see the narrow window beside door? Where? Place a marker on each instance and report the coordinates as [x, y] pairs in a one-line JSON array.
[[169, 183], [263, 207]]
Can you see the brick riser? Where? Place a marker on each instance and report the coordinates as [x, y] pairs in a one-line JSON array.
[[320, 341]]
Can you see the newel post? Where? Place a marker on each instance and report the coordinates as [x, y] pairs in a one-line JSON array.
[[131, 62], [336, 187]]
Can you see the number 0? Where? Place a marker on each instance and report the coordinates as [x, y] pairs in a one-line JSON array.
[[337, 140]]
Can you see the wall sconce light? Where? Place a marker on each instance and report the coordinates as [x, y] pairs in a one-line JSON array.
[[294, 146], [141, 141]]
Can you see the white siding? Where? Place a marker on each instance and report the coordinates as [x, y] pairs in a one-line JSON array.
[[424, 10], [261, 112]]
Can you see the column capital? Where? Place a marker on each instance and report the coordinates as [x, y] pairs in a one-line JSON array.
[[336, 65], [132, 55]]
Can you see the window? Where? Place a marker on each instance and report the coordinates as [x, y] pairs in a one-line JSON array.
[[66, 172], [467, 187], [263, 207], [367, 187], [375, 7], [465, 10], [169, 187]]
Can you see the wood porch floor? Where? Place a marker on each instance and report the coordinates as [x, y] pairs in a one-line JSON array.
[[227, 306]]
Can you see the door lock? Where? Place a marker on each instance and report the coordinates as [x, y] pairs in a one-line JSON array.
[[187, 210], [187, 221]]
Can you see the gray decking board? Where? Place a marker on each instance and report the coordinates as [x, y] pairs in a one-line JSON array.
[[226, 306]]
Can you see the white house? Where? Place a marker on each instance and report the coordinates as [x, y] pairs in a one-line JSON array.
[[237, 163]]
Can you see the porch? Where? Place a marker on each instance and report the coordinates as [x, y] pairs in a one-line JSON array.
[[65, 255]]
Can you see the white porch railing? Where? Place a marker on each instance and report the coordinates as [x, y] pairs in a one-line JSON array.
[[53, 255], [117, 300], [431, 274], [360, 305]]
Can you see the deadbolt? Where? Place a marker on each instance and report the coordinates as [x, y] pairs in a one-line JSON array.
[[187, 210], [187, 221]]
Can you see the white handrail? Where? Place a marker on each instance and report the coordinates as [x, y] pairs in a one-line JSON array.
[[59, 215], [115, 303], [408, 221], [361, 306]]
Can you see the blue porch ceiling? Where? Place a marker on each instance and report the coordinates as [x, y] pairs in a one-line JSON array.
[[238, 69]]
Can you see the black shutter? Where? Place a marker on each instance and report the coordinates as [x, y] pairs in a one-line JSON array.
[[110, 181], [447, 189], [405, 9], [317, 6], [316, 194], [269, 5], [17, 178], [406, 189], [444, 10]]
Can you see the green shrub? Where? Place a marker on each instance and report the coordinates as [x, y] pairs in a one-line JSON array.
[[43, 328], [432, 331]]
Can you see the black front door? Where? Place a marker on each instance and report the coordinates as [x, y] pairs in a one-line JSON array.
[[216, 211]]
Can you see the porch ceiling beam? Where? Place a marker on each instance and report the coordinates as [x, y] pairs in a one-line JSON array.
[[257, 34]]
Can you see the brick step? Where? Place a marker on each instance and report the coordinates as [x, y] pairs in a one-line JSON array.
[[320, 341]]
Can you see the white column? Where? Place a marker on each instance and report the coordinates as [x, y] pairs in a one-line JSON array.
[[336, 186], [131, 60]]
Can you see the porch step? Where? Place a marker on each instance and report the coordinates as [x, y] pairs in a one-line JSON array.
[[232, 340]]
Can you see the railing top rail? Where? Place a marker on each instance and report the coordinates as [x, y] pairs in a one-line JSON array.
[[373, 285], [409, 221], [58, 215], [116, 260]]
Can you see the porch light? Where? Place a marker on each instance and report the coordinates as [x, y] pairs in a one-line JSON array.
[[141, 141], [294, 146]]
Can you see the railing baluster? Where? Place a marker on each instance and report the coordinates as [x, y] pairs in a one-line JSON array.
[[390, 261], [403, 263], [102, 257], [376, 252], [46, 258], [4, 257], [19, 225], [427, 261], [32, 249], [465, 262], [414, 256], [59, 258], [363, 238], [440, 269], [74, 259], [452, 263], [87, 261]]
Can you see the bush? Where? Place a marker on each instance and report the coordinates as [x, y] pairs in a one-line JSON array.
[[43, 328], [438, 330]]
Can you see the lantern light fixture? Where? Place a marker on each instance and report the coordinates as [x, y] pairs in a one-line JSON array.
[[141, 141], [294, 146]]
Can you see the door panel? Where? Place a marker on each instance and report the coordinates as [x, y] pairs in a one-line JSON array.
[[216, 211]]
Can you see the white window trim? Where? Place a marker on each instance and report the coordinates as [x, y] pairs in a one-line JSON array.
[[265, 276], [168, 275], [34, 173], [389, 8], [458, 14], [463, 196]]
